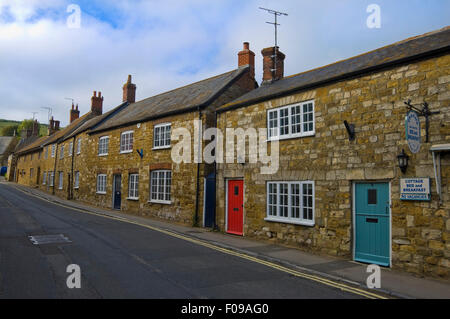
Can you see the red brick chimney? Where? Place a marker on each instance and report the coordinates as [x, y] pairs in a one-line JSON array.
[[270, 74], [247, 57], [53, 126], [129, 91], [35, 128], [74, 113], [97, 103]]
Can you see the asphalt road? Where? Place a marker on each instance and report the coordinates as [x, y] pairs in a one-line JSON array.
[[121, 260]]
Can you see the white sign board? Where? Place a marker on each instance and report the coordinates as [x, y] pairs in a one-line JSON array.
[[413, 131], [415, 188]]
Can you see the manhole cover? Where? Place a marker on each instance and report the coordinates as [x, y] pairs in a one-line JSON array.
[[49, 239]]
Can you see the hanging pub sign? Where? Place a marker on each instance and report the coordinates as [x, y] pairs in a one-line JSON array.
[[415, 189], [412, 124]]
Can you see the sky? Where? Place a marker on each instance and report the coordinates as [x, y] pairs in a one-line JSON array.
[[47, 57]]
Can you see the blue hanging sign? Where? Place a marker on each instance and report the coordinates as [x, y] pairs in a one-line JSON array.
[[412, 124]]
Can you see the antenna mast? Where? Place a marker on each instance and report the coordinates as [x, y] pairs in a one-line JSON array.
[[49, 109], [276, 14]]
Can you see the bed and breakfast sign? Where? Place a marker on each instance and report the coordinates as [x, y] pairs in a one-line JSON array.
[[415, 189]]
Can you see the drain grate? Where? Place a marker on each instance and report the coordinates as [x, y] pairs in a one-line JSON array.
[[49, 239]]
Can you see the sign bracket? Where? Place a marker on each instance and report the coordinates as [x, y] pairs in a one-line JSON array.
[[425, 112]]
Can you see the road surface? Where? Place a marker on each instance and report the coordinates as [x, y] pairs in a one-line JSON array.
[[122, 260]]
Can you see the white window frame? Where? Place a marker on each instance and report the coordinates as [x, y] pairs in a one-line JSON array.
[[46, 153], [290, 219], [51, 179], [273, 133], [102, 149], [77, 180], [162, 142], [129, 145], [133, 186], [44, 179], [53, 150], [79, 146], [167, 196], [101, 188], [70, 148], [61, 152], [60, 180]]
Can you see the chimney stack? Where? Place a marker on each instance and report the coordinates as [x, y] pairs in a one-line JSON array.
[[270, 74], [35, 128], [97, 103], [129, 91], [53, 126], [247, 57], [74, 113]]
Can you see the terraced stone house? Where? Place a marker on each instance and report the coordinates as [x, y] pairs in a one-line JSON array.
[[339, 189]]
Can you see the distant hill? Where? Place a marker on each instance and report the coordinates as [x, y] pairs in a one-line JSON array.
[[42, 130]]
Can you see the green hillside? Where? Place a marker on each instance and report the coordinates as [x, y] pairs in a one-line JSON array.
[[42, 130]]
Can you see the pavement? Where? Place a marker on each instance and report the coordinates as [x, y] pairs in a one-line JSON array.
[[395, 283]]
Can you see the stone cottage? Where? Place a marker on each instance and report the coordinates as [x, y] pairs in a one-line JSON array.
[[347, 182]]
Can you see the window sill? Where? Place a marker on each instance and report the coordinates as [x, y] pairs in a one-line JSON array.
[[101, 193], [289, 221], [161, 148], [160, 202], [103, 154], [133, 198], [273, 139], [126, 152], [76, 188]]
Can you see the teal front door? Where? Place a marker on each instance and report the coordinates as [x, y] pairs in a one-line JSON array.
[[372, 231]]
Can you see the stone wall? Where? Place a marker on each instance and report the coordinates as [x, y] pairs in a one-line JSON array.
[[374, 103]]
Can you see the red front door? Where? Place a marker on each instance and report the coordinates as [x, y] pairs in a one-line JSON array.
[[235, 207]]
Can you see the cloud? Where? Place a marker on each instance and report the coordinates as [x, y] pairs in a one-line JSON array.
[[166, 44]]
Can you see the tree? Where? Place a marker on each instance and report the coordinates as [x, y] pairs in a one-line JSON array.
[[9, 130], [26, 125]]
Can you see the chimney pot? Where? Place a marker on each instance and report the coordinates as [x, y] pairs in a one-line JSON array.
[[129, 91], [247, 57], [97, 103], [270, 72], [74, 113]]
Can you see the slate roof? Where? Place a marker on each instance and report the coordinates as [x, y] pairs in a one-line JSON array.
[[183, 99], [5, 141], [37, 143], [427, 44], [91, 123]]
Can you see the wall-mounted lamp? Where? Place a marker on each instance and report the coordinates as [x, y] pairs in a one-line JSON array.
[[403, 161], [350, 130]]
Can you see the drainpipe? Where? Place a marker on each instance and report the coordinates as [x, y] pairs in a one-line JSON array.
[[54, 171], [198, 173], [215, 227], [71, 173]]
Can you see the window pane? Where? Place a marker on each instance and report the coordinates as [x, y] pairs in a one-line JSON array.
[[284, 199], [284, 121], [295, 119]]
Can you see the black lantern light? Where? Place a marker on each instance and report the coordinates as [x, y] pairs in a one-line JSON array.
[[403, 161]]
